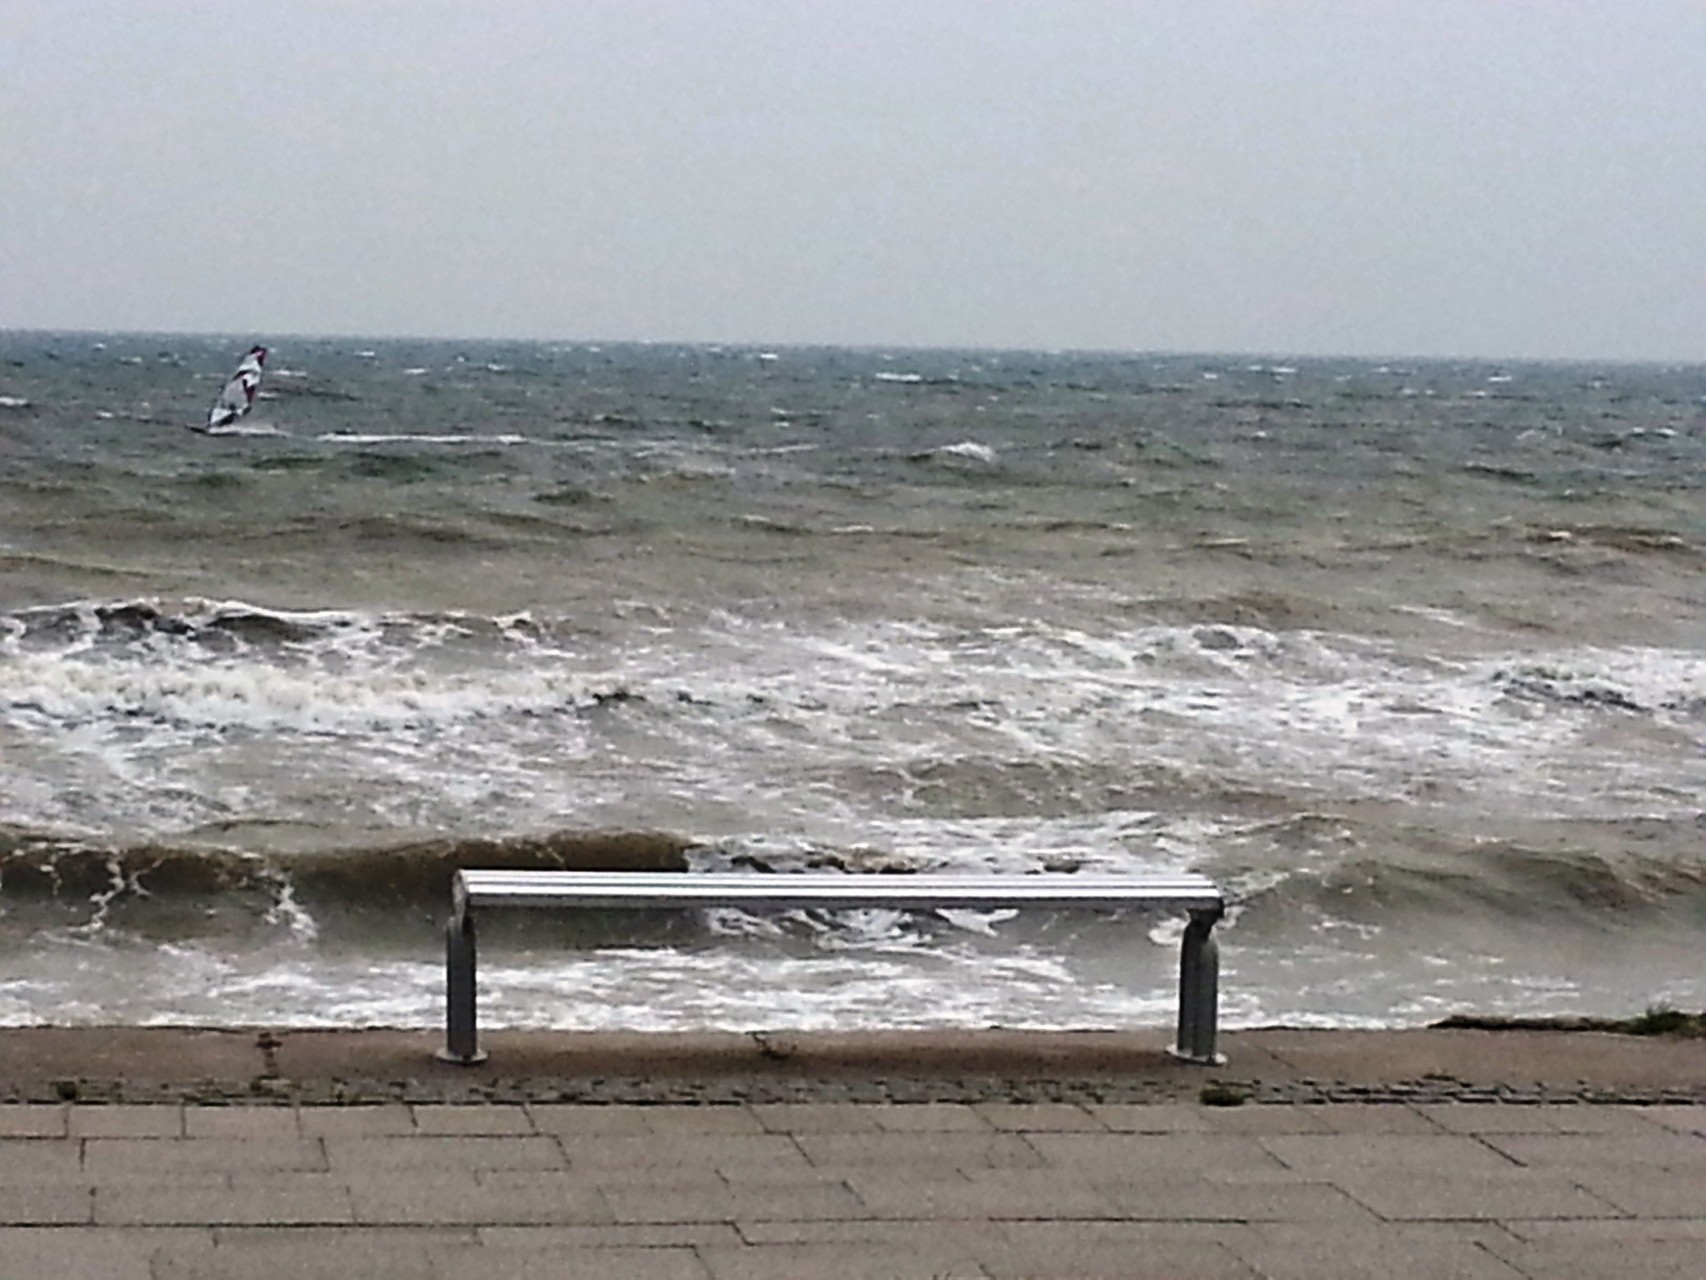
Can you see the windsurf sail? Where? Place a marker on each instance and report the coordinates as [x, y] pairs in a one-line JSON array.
[[238, 397]]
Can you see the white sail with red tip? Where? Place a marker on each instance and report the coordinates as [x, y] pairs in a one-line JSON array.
[[238, 397]]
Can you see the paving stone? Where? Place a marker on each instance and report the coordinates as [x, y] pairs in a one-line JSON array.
[[390, 1120], [1122, 1231], [811, 1117], [312, 1198], [1356, 1255], [609, 1262], [444, 1119], [572, 1120], [985, 1193], [126, 1122], [648, 1235], [26, 1204], [34, 1160], [929, 1117], [27, 1120], [1268, 1234], [769, 1151], [1266, 1120], [758, 1175], [945, 1233], [297, 1264], [1600, 1260], [1108, 1155], [1352, 1117], [1039, 1117], [371, 1239], [862, 1261], [1685, 1119], [1631, 1231], [241, 1122], [105, 1159], [703, 1120], [1398, 1195], [1187, 1197], [901, 1150], [1445, 1152], [1647, 1192], [545, 1197], [650, 1176], [1499, 1118], [651, 1202], [1661, 1149], [305, 1254], [443, 1153], [188, 1181], [1157, 1118], [94, 1253], [1131, 1251]]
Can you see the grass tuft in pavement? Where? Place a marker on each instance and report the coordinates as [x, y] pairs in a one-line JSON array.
[[1216, 1094]]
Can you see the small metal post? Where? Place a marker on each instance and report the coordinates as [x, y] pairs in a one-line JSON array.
[[461, 1036], [1199, 990]]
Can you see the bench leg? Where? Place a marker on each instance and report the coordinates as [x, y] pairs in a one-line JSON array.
[[461, 1036], [1199, 991]]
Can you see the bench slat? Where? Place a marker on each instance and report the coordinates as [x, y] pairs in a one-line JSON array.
[[655, 889]]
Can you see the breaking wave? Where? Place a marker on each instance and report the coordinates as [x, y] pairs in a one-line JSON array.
[[1589, 875], [37, 865], [229, 664]]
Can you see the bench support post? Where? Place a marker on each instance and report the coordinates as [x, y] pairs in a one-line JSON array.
[[1199, 958], [1199, 990], [461, 1036]]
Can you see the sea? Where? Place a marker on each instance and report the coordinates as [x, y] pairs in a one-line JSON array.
[[1409, 655]]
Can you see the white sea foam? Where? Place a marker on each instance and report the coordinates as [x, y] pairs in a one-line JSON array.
[[767, 708], [408, 437], [968, 449], [969, 983], [263, 696], [245, 427]]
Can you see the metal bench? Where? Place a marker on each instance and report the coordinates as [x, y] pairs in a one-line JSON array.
[[1199, 963]]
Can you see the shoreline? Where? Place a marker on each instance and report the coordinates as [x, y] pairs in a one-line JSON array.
[[317, 1067]]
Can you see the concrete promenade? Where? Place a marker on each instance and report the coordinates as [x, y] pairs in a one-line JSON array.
[[159, 1154]]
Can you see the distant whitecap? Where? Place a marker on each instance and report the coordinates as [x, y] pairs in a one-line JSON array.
[[968, 449]]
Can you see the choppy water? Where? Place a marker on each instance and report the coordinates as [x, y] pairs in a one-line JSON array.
[[1410, 656]]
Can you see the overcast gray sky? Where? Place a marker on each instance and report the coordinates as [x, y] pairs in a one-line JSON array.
[[1418, 177]]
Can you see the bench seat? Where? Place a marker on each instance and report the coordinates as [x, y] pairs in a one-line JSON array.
[[651, 890]]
